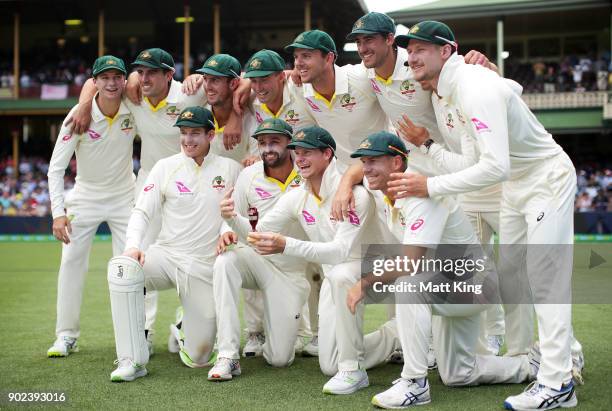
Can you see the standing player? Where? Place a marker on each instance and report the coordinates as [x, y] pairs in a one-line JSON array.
[[104, 191], [537, 198], [185, 190], [424, 224], [343, 351], [281, 279]]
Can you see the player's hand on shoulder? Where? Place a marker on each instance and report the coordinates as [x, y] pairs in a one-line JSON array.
[[227, 205], [250, 160], [225, 241], [477, 58], [80, 119], [132, 89], [192, 84], [267, 243], [136, 254], [62, 229], [402, 185]]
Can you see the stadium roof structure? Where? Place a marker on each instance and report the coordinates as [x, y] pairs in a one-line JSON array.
[[457, 9]]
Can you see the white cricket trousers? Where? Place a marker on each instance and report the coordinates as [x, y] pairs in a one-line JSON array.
[[164, 269], [284, 295], [455, 329], [342, 345], [86, 216], [538, 208]]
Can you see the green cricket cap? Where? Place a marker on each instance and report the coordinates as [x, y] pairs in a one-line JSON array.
[[263, 63], [105, 63], [273, 126], [382, 143], [222, 65], [429, 31], [313, 40], [372, 23], [196, 116], [312, 137], [155, 58]]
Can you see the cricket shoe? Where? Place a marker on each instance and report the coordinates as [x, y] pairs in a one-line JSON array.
[[224, 370], [432, 364], [127, 370], [540, 397], [173, 344], [63, 347], [312, 348], [300, 343], [254, 345], [495, 343], [346, 382], [396, 357], [404, 393]]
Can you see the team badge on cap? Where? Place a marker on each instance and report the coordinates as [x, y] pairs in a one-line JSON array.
[[145, 55], [188, 115], [414, 29], [255, 64], [358, 24], [365, 144], [111, 62], [299, 136], [213, 63]]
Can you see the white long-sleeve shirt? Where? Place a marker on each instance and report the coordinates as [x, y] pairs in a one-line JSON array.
[[508, 135], [160, 139], [187, 197], [353, 112], [104, 159], [331, 242], [293, 109], [255, 194]]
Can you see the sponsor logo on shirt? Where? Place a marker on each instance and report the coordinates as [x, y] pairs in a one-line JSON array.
[[263, 194], [312, 105], [93, 135], [182, 188], [258, 118], [353, 218], [348, 102], [402, 219], [460, 116], [375, 87], [172, 112], [292, 117], [126, 125], [148, 188], [308, 218], [67, 137], [218, 183], [541, 216], [407, 88], [418, 223], [449, 121], [480, 126]]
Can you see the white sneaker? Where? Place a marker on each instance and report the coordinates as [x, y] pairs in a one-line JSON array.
[[300, 343], [173, 344], [397, 357], [149, 337], [346, 382], [312, 348], [540, 397], [224, 370], [254, 345], [432, 364], [495, 343], [63, 347], [127, 370], [403, 394]]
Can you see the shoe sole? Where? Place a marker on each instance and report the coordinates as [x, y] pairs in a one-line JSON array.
[[389, 407], [219, 377], [58, 354], [138, 374], [567, 404], [362, 384]]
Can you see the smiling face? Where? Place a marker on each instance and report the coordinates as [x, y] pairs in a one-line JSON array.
[[311, 64], [195, 142], [312, 162], [377, 170], [273, 149], [154, 82], [269, 88], [426, 59], [110, 84], [374, 49], [219, 89]]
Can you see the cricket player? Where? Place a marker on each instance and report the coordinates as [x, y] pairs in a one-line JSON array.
[[185, 189], [277, 97], [343, 351], [425, 223], [537, 196], [104, 191], [281, 279]]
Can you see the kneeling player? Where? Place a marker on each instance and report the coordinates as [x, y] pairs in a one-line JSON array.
[[185, 189], [425, 223]]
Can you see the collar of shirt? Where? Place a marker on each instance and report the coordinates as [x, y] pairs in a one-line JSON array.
[[97, 115], [192, 165], [329, 183], [341, 85], [448, 75], [281, 184], [286, 101], [172, 98], [400, 72]]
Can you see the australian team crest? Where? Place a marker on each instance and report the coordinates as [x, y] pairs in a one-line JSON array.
[[172, 112], [297, 181], [348, 102], [218, 183], [407, 88], [126, 125], [449, 121], [292, 117]]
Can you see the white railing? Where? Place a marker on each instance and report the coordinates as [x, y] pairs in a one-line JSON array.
[[567, 100]]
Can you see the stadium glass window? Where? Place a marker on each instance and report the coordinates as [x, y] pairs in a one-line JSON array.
[[545, 47]]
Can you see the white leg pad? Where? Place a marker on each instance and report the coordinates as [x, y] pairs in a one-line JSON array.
[[126, 286]]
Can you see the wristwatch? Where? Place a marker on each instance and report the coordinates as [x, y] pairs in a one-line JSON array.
[[424, 148]]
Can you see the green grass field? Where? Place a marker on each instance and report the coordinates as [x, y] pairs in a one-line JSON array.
[[28, 282]]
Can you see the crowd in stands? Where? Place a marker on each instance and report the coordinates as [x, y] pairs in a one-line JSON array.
[[594, 191]]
